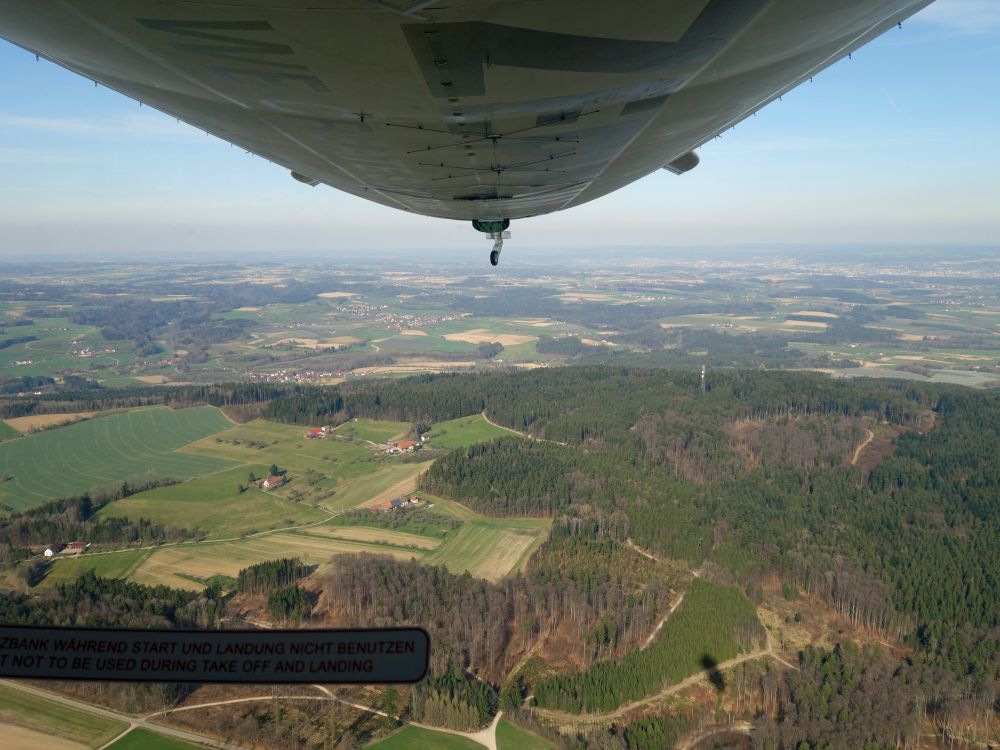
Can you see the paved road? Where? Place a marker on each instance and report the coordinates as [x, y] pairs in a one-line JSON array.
[[132, 721]]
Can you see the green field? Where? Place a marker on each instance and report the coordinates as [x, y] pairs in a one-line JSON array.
[[52, 351], [459, 433], [48, 717], [112, 565], [490, 548], [144, 739], [185, 566], [512, 737], [7, 432], [214, 504], [417, 738], [383, 484], [451, 508], [369, 534], [487, 548], [337, 472], [73, 459], [376, 432]]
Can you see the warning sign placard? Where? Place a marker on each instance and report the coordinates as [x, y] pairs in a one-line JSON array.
[[330, 656]]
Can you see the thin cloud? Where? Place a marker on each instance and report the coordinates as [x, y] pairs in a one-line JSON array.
[[131, 124], [963, 17], [733, 144], [32, 156]]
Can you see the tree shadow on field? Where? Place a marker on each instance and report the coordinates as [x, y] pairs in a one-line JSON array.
[[714, 675]]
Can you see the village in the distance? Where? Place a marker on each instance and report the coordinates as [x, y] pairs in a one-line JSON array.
[[636, 502]]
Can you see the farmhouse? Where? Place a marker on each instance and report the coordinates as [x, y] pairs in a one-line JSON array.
[[54, 549], [315, 432], [75, 547], [389, 505], [272, 482]]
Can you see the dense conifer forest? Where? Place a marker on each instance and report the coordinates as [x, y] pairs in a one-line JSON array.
[[270, 576], [714, 624]]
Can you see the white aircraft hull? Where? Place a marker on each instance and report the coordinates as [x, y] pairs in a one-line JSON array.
[[482, 109]]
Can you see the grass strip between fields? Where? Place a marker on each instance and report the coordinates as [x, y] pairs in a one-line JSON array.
[[51, 718]]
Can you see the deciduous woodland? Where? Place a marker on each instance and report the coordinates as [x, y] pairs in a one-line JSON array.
[[753, 482]]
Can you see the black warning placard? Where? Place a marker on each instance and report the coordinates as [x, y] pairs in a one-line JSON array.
[[270, 656]]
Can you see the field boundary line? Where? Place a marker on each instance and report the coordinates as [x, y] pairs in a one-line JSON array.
[[526, 435], [673, 607], [117, 737], [405, 547], [505, 427], [693, 679], [194, 542], [138, 562], [624, 708], [110, 713]]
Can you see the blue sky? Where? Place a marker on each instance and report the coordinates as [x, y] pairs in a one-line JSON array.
[[900, 145]]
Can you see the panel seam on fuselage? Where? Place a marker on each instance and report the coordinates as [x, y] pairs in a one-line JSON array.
[[683, 86]]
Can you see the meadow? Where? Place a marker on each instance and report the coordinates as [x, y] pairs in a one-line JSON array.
[[385, 483], [375, 536], [66, 569], [7, 432], [51, 351], [185, 566], [486, 547], [243, 525], [36, 422], [215, 504], [145, 739], [36, 714], [418, 738], [511, 737], [491, 548], [321, 471], [373, 431], [73, 459], [464, 431]]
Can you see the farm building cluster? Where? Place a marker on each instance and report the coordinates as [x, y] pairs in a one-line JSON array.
[[402, 446], [315, 433], [73, 548], [399, 502], [295, 376], [269, 483]]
